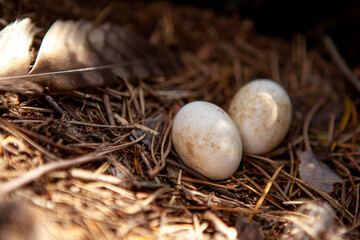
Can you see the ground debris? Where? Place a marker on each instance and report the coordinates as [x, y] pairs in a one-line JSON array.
[[317, 173], [113, 172]]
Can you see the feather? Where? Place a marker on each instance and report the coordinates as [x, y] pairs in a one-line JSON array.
[[15, 41], [77, 54]]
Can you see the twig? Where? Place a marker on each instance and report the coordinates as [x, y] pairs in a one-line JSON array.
[[55, 106], [142, 102], [227, 209], [34, 174], [274, 67], [195, 180], [11, 129], [353, 161], [147, 163], [187, 170], [201, 177], [127, 126], [44, 139], [330, 46], [269, 197], [219, 225], [157, 127], [307, 121], [93, 176], [266, 190], [165, 120], [347, 214], [121, 146], [269, 177], [356, 216], [104, 14], [292, 163], [164, 153], [40, 171], [108, 110]]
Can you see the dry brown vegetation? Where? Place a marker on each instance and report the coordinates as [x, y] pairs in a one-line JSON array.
[[98, 176]]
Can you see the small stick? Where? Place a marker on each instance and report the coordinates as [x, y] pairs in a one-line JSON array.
[[104, 14], [5, 125], [165, 119], [292, 168], [147, 163], [108, 110], [142, 101], [353, 161], [55, 106], [307, 121], [157, 127], [164, 153], [356, 216], [348, 215], [44, 139], [266, 190], [201, 177], [219, 225], [34, 174], [330, 46]]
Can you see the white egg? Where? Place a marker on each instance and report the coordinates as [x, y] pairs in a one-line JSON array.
[[262, 112], [207, 140]]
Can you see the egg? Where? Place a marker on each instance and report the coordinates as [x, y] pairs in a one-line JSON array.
[[207, 140], [262, 112]]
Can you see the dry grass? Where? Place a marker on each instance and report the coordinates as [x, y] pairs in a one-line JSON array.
[[97, 176]]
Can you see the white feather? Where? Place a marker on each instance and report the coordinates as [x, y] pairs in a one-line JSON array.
[[15, 41], [76, 54]]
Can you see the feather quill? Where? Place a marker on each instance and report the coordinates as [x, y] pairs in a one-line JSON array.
[[77, 54]]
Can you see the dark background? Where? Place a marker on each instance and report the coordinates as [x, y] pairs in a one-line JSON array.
[[338, 18], [314, 18]]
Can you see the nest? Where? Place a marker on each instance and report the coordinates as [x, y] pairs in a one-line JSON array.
[[111, 172]]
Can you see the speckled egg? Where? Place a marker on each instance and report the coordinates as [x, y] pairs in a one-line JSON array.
[[207, 140], [262, 112]]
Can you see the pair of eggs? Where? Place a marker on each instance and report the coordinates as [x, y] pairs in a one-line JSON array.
[[212, 142]]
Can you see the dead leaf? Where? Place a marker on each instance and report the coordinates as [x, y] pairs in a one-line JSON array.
[[78, 54], [316, 173]]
